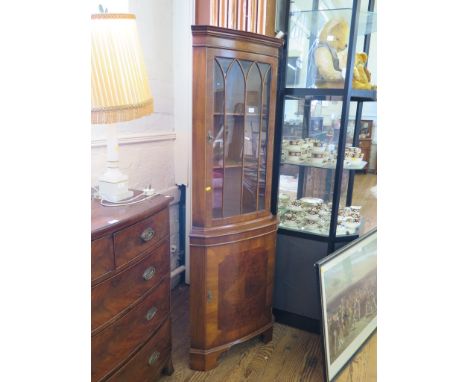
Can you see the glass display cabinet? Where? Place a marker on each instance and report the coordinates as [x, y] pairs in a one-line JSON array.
[[233, 235], [325, 80]]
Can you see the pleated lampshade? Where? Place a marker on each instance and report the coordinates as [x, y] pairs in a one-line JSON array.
[[119, 82]]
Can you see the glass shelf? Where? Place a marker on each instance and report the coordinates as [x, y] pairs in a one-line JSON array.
[[311, 129], [317, 46], [356, 94], [323, 233], [360, 166], [303, 18]]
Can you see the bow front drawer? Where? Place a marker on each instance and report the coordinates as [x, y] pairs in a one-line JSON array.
[[149, 361], [102, 257], [112, 346], [130, 242], [115, 295]]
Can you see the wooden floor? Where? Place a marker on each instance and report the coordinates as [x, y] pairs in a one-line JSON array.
[[292, 356]]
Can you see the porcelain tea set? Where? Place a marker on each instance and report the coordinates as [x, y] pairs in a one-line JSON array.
[[353, 155], [315, 152], [306, 150], [313, 214]]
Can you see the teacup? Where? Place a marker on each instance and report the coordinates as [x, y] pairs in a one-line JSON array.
[[294, 154], [296, 206], [317, 159], [295, 142], [290, 219]]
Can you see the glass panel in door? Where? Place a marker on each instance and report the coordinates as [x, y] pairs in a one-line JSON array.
[[265, 114], [233, 139], [251, 140]]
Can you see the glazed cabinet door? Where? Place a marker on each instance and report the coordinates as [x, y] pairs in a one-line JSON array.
[[239, 136]]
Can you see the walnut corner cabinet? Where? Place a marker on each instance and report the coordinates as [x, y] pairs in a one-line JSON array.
[[130, 291], [233, 236]]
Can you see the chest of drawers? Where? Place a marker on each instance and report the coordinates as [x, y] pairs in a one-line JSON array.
[[130, 291]]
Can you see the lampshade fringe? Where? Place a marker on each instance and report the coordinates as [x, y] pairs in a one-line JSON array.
[[102, 116]]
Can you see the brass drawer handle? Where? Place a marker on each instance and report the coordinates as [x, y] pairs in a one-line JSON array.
[[149, 273], [151, 313], [153, 357], [147, 234]]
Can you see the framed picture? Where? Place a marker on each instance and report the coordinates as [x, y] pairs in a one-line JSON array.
[[348, 293], [366, 129]]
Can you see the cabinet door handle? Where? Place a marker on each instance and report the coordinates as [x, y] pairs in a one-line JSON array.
[[151, 313], [153, 357], [210, 137], [147, 234], [149, 273]]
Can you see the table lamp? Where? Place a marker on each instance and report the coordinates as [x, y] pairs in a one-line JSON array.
[[119, 90]]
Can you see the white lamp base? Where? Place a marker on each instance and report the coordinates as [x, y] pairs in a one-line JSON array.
[[113, 186]]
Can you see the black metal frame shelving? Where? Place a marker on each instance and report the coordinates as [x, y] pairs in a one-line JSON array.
[[296, 299], [348, 94]]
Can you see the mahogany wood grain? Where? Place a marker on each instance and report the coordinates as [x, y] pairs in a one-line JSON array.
[[116, 295], [107, 220], [210, 42], [235, 293], [128, 243], [209, 236], [232, 258], [125, 289], [112, 346], [102, 257], [138, 368]]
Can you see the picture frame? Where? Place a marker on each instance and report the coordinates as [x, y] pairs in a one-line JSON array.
[[366, 129], [348, 297]]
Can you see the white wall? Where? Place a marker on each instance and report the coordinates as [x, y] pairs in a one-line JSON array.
[[147, 144], [183, 17]]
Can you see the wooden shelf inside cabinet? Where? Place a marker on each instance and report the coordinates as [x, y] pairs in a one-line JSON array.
[[233, 235]]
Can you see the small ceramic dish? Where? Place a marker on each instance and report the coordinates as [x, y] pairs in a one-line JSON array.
[[308, 201]]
